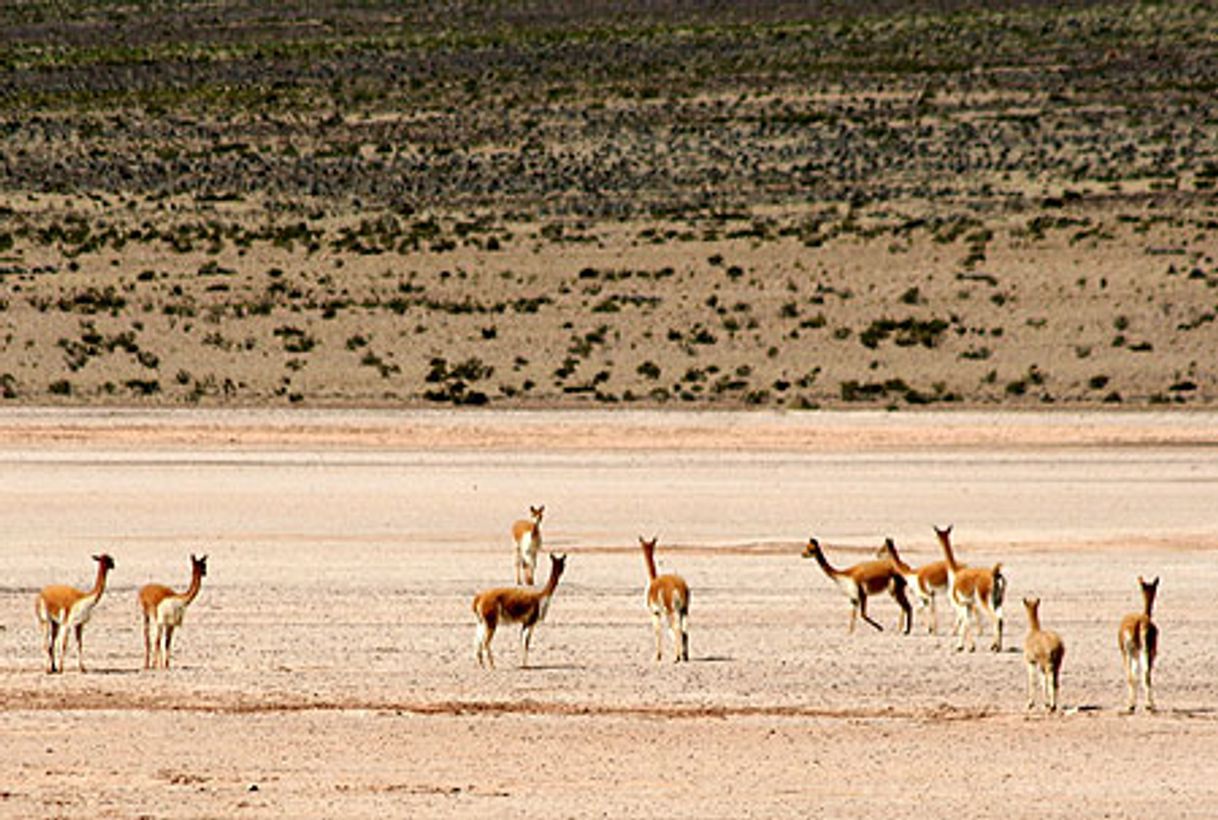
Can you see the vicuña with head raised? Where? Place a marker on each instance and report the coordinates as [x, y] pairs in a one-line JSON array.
[[861, 580], [927, 581], [1139, 641], [62, 608], [972, 590], [514, 605], [163, 609], [667, 599], [526, 538], [1043, 651]]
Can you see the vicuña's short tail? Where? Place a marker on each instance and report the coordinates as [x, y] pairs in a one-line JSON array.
[[999, 593]]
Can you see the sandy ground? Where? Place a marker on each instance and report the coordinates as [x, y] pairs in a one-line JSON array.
[[327, 667]]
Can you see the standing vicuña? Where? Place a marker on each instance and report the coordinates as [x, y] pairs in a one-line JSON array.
[[526, 536], [1043, 651], [61, 608], [514, 605], [972, 590], [926, 581], [1139, 640], [861, 580], [667, 597], [165, 608]]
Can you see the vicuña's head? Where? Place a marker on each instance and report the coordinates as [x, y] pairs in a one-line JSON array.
[[199, 564], [648, 546], [944, 533], [1149, 590], [557, 564], [888, 549], [107, 563], [1031, 604], [813, 548], [536, 512]]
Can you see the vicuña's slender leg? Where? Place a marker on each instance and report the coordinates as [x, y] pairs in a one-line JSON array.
[[50, 637], [1130, 681], [1150, 692], [80, 647], [863, 612], [482, 641], [1031, 684]]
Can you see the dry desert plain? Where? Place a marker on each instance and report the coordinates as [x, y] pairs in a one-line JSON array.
[[327, 667]]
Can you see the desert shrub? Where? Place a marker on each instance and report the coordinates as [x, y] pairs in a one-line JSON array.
[[453, 383], [906, 332], [295, 340], [143, 387], [649, 370]]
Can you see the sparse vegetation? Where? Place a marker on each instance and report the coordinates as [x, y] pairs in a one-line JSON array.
[[754, 185]]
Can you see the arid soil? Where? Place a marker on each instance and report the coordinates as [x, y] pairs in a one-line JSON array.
[[741, 205], [327, 667]]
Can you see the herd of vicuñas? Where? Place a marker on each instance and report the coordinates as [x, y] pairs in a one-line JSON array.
[[63, 610]]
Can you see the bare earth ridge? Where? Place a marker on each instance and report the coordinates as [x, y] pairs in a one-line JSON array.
[[327, 667]]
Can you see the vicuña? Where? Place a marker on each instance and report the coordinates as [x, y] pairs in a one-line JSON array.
[[973, 590], [861, 580], [61, 608], [509, 605], [667, 599], [1139, 641], [927, 581], [1043, 651], [526, 538], [163, 609]]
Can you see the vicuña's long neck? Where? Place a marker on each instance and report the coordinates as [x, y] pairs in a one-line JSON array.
[[100, 584], [1148, 602], [196, 581], [1033, 620], [824, 563], [891, 551], [551, 583], [650, 559], [946, 541]]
